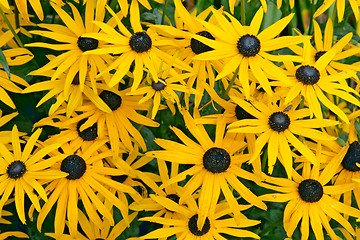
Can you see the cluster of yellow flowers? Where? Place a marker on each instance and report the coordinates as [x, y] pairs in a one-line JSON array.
[[261, 108]]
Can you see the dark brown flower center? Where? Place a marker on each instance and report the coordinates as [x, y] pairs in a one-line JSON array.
[[88, 134], [308, 75], [86, 44], [158, 86], [248, 45], [241, 114], [192, 224], [16, 169], [216, 160], [310, 190], [111, 99], [319, 54], [279, 121], [74, 165], [198, 47], [140, 42], [352, 157]]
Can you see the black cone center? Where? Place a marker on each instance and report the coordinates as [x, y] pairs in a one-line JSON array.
[[140, 42], [111, 99], [86, 44], [279, 121], [158, 86], [88, 134], [216, 160], [74, 165], [16, 169], [248, 45], [192, 224], [308, 75], [352, 157], [310, 190], [198, 47]]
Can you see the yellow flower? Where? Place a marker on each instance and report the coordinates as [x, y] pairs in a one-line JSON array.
[[141, 47], [278, 125], [74, 45], [88, 181], [309, 199], [310, 80], [19, 169], [186, 227], [244, 47], [216, 165]]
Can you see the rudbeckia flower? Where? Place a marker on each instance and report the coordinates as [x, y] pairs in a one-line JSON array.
[[87, 181], [340, 8], [21, 169], [74, 45], [167, 88], [70, 131], [216, 165], [117, 122], [324, 44], [244, 47], [309, 198], [278, 125], [311, 81], [214, 227], [22, 6], [189, 47], [75, 95], [140, 48]]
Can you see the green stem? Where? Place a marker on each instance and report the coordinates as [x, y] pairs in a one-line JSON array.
[[231, 83], [243, 13], [164, 11], [11, 28]]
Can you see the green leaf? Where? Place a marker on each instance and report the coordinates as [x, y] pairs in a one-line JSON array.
[[4, 63], [341, 142]]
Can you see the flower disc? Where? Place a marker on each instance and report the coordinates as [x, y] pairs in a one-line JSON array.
[[140, 42], [16, 169], [248, 45], [310, 190], [86, 44], [111, 99], [74, 165], [198, 47], [216, 160], [192, 224], [279, 121], [158, 86], [308, 75], [352, 157], [88, 134]]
